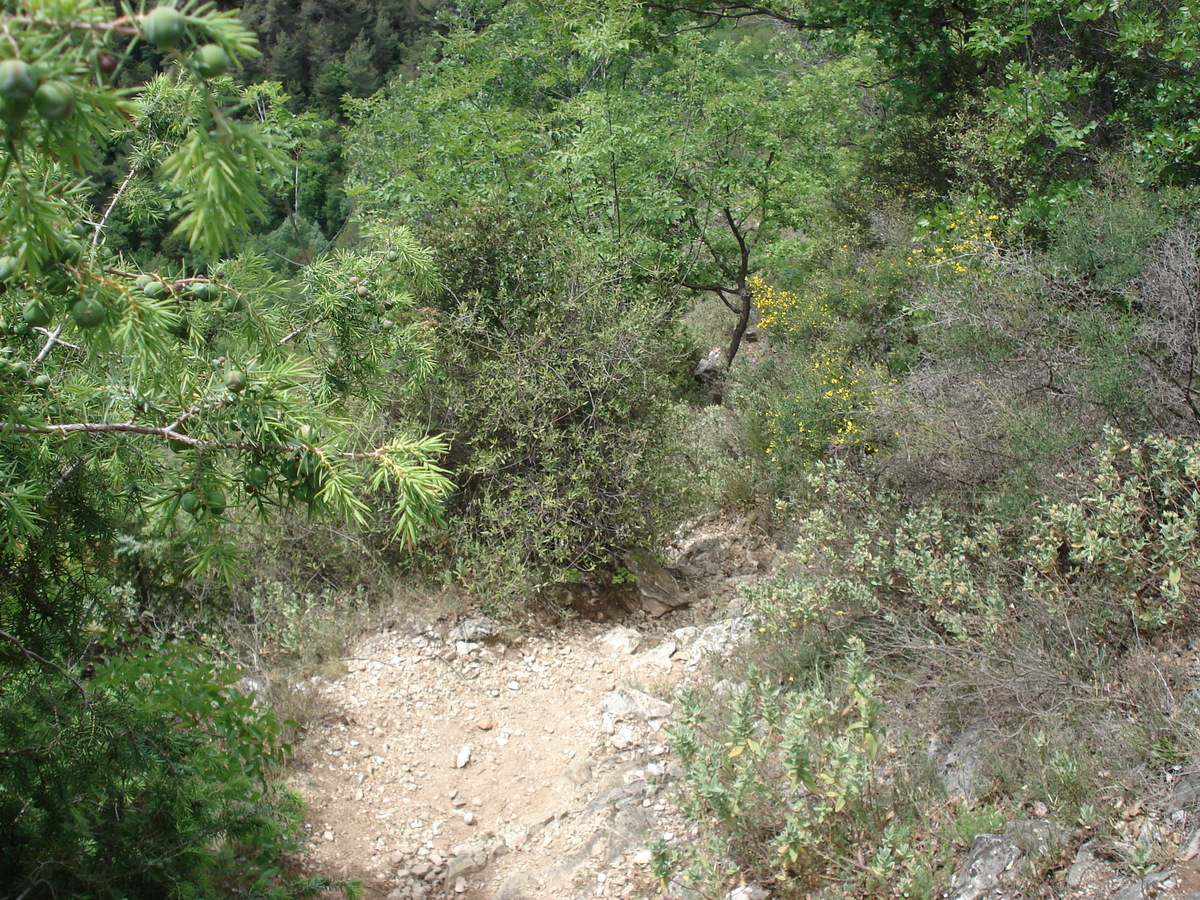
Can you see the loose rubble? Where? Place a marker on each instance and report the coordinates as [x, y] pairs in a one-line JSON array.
[[483, 770], [457, 764]]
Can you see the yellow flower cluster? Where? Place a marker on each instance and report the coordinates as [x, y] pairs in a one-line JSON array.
[[838, 386], [964, 241], [820, 413], [786, 311]]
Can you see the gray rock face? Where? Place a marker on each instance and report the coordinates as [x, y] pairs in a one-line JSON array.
[[1130, 892], [708, 369], [686, 635], [580, 771], [473, 629], [1156, 884], [467, 864], [518, 887], [999, 862], [622, 639], [1186, 794], [620, 825], [721, 552], [656, 587], [630, 703], [721, 637], [701, 555], [658, 657], [749, 892], [961, 768], [991, 862], [630, 828], [1085, 861]]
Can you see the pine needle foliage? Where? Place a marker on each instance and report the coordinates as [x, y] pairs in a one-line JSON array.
[[153, 778], [164, 407]]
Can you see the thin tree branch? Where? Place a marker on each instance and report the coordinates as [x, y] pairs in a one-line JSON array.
[[744, 267], [112, 204], [58, 341], [724, 299], [303, 328], [39, 658], [171, 432], [123, 25], [712, 251], [51, 340], [730, 9], [52, 337], [65, 429]]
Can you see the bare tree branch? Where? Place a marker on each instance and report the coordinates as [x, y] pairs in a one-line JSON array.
[[722, 10], [25, 651]]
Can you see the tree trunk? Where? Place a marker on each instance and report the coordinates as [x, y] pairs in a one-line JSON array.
[[742, 323]]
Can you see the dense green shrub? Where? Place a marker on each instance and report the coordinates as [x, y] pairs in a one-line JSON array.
[[1026, 625], [1105, 235], [1016, 357], [816, 393], [1132, 536], [555, 378], [147, 774], [145, 414], [1037, 89], [1122, 546]]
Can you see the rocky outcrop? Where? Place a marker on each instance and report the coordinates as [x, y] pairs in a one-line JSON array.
[[999, 864]]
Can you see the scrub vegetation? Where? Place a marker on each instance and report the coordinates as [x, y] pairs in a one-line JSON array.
[[309, 310]]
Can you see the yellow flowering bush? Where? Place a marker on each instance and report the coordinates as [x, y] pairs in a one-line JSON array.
[[819, 409], [822, 392], [787, 313], [963, 240]]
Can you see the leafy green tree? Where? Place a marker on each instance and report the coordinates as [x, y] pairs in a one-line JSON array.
[[363, 77], [152, 777], [1044, 85], [556, 372], [320, 50], [686, 155], [580, 175]]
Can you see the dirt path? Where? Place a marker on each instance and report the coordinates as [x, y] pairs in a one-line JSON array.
[[459, 761], [456, 765]]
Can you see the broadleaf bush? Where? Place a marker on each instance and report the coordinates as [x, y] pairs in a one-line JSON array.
[[784, 778], [1033, 629], [1133, 535]]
